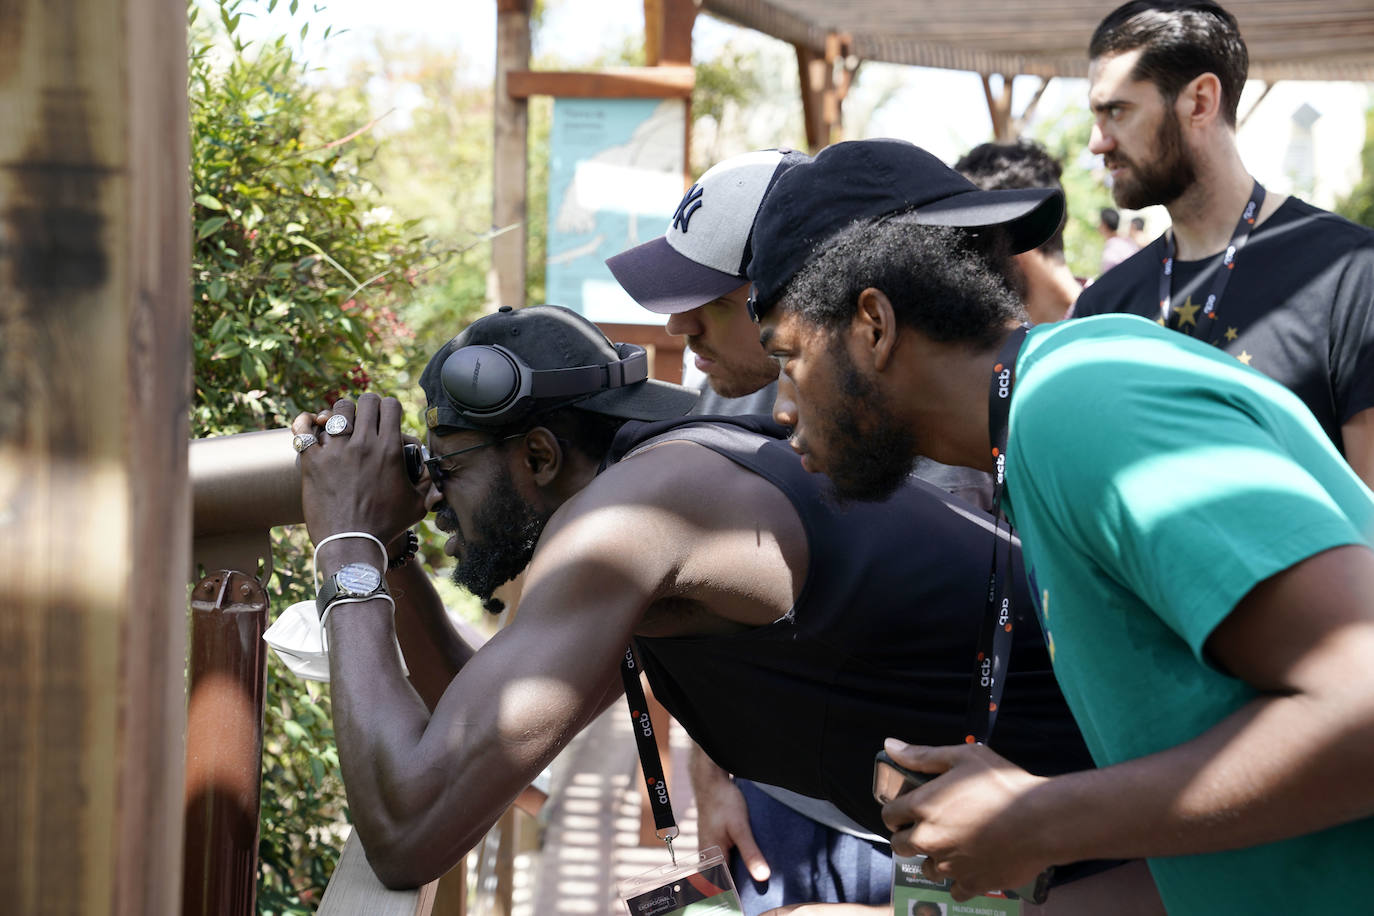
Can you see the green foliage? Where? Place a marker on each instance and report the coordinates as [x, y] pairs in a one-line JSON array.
[[745, 98], [295, 279], [1066, 138], [299, 279], [303, 804], [1359, 204]]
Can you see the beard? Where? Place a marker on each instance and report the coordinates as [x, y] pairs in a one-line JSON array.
[[871, 455], [1162, 180], [506, 530], [736, 379]]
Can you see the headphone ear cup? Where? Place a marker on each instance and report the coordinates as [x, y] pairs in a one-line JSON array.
[[481, 379]]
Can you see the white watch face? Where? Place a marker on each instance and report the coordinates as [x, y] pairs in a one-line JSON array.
[[358, 579]]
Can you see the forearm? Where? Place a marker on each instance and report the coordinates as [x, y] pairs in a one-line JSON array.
[[1277, 768], [706, 775], [379, 722], [434, 650]]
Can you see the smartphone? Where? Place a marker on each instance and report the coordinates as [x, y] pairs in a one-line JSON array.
[[891, 779], [1037, 891]]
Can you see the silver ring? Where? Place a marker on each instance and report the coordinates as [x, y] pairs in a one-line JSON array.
[[302, 441], [336, 425]]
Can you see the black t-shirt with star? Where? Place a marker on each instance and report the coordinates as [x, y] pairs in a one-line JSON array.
[[1299, 306]]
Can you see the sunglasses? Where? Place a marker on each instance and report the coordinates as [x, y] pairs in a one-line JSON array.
[[437, 472]]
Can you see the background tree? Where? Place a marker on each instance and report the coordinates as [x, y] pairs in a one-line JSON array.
[[1359, 204], [1065, 135]]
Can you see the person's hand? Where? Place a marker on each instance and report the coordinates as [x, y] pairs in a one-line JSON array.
[[971, 822], [723, 816], [355, 479]]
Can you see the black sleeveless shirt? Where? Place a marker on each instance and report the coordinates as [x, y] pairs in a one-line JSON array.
[[880, 642]]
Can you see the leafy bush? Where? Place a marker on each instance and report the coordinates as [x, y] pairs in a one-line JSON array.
[[298, 278], [1358, 206]]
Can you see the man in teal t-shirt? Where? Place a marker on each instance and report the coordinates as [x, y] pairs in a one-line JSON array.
[[1201, 553], [1180, 482]]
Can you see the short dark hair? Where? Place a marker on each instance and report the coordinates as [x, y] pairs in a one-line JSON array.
[[1110, 218], [1023, 164], [952, 285], [1137, 222], [582, 430], [1180, 41]]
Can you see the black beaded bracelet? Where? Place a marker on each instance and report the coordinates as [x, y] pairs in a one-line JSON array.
[[412, 547]]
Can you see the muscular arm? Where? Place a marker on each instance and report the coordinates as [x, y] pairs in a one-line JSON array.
[[434, 650], [424, 787], [1295, 760], [1358, 436]]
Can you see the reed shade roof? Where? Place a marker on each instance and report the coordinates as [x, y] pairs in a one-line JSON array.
[[1287, 39]]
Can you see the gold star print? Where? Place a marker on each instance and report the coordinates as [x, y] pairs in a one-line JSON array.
[[1160, 322], [1231, 334], [1187, 313], [1245, 357]]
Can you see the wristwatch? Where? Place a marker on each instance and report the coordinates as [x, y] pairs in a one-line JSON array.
[[355, 580]]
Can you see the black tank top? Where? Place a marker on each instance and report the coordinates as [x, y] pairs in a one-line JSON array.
[[879, 643]]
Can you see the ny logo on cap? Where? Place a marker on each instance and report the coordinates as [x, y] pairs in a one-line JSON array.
[[691, 203]]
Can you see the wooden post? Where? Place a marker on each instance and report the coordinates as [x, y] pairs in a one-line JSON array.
[[224, 744], [506, 278], [814, 78], [999, 109], [825, 78], [94, 506]]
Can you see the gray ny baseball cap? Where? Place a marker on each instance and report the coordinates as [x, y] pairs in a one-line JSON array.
[[707, 247]]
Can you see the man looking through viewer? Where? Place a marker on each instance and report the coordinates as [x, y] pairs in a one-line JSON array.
[[697, 542], [1297, 301], [1199, 553]]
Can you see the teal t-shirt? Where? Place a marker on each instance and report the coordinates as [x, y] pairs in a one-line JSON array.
[[1155, 481]]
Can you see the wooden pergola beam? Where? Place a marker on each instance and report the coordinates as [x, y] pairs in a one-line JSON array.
[[668, 32], [510, 191], [625, 83], [825, 77], [94, 503]]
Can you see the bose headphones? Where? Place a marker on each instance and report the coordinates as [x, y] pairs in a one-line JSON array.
[[490, 385]]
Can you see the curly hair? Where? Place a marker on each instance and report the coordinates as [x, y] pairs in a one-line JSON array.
[[952, 285], [1023, 164]]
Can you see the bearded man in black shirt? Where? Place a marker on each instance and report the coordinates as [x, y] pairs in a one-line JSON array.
[[1285, 287]]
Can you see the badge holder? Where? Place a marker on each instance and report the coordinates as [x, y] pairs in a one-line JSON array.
[[913, 894], [700, 888]]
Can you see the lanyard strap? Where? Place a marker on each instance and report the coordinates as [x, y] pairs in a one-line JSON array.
[[995, 633], [1220, 278], [649, 760]]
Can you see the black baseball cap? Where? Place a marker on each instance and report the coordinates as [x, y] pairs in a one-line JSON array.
[[867, 179], [550, 337]]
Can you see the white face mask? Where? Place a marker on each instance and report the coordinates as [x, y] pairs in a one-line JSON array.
[[299, 641]]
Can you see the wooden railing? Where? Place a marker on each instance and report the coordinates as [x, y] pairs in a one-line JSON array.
[[243, 486]]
